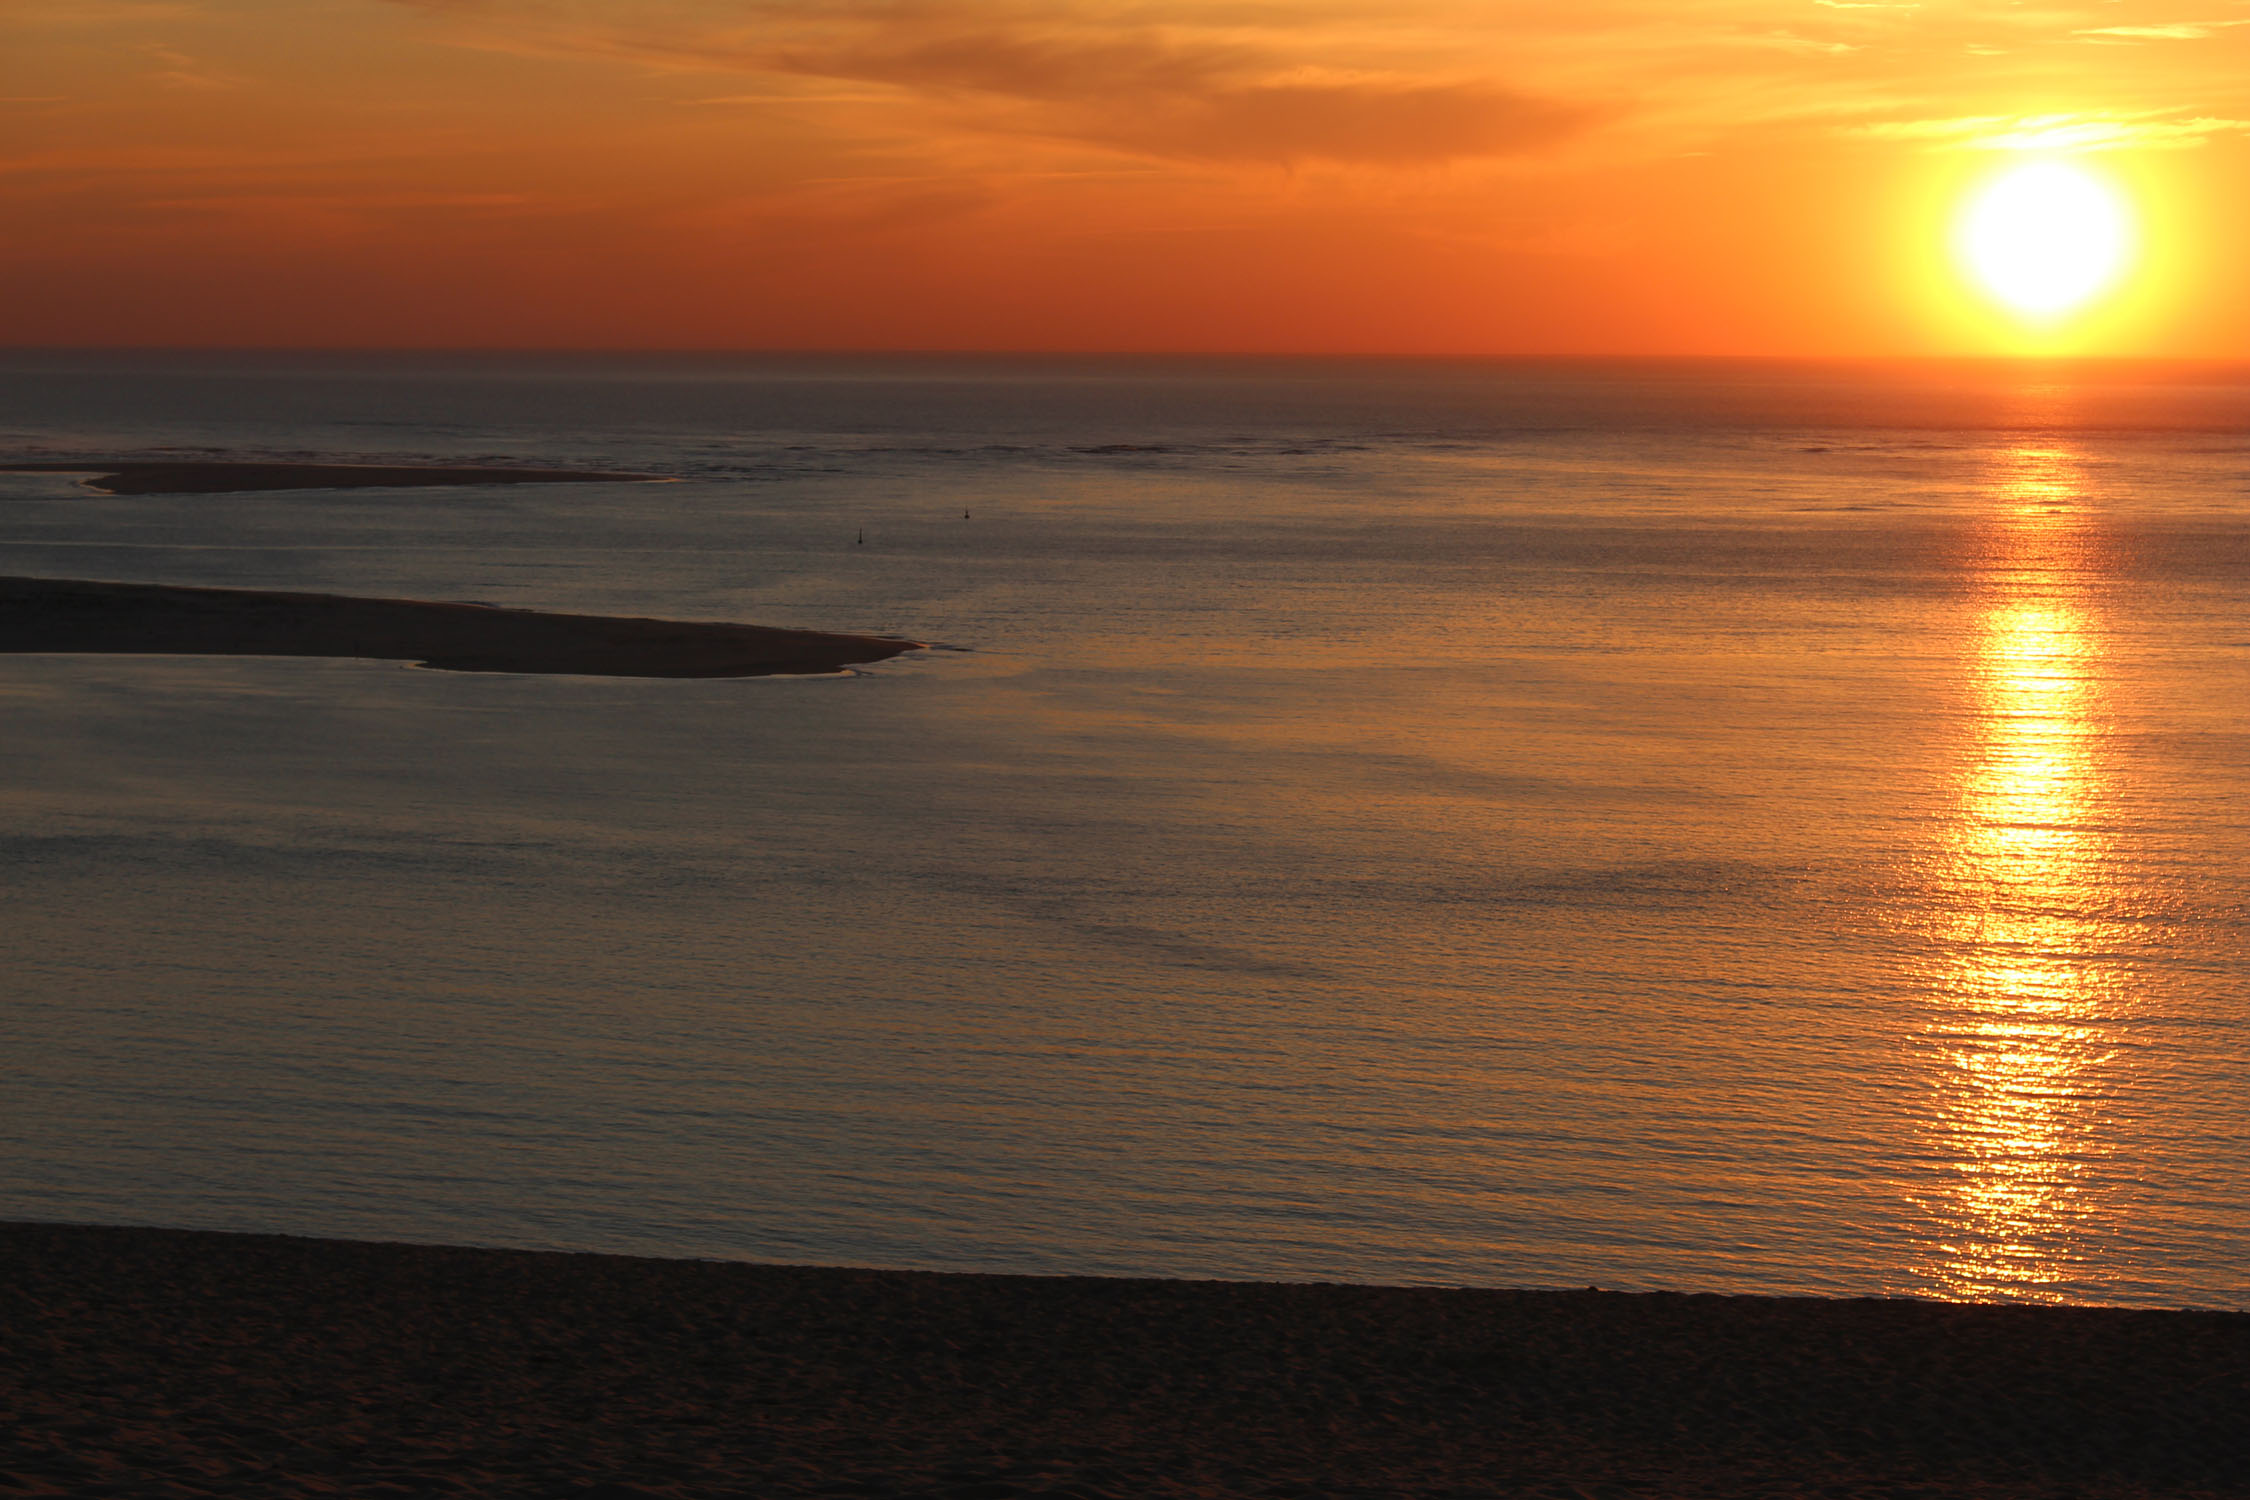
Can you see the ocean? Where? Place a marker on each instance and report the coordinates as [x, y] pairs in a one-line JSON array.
[[1739, 827]]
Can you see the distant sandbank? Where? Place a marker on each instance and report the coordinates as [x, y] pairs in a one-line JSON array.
[[146, 1362], [76, 615], [215, 477]]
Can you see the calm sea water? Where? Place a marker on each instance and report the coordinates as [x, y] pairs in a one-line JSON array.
[[1748, 828]]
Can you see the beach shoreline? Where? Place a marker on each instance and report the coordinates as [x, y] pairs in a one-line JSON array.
[[62, 615], [175, 1362]]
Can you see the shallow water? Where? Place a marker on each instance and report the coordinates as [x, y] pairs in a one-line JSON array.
[[1735, 827]]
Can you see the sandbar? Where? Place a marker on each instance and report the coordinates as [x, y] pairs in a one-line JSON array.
[[218, 477], [177, 1363], [80, 615]]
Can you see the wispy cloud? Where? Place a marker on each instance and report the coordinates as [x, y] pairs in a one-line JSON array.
[[1411, 83], [1142, 93], [1789, 41], [2056, 132], [2175, 31], [176, 69], [1166, 91]]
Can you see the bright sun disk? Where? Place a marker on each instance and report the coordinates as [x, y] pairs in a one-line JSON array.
[[2044, 237]]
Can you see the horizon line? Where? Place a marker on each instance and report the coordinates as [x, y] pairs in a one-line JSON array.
[[587, 351]]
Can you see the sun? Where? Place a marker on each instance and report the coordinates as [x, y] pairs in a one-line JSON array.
[[2045, 238]]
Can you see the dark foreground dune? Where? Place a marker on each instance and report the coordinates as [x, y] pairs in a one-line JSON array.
[[166, 1363], [71, 615], [218, 477]]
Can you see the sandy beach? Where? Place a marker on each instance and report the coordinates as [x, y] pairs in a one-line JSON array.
[[77, 615], [153, 1362], [209, 477]]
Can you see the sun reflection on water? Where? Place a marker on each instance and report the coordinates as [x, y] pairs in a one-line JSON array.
[[2024, 991]]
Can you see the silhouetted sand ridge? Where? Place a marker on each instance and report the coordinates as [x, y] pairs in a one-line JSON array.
[[214, 477], [164, 1362], [74, 615]]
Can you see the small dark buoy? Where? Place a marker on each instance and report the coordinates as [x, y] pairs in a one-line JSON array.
[[964, 515], [861, 539]]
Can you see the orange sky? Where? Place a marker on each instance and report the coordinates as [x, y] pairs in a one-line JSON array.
[[1414, 176]]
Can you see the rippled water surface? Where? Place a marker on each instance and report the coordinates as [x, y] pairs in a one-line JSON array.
[[1728, 827]]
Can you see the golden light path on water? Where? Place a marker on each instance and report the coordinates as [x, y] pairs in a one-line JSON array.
[[2025, 994]]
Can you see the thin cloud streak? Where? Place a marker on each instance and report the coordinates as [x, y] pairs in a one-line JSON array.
[[2056, 132], [2182, 31]]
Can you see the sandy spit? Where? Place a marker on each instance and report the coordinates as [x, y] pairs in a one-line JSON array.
[[218, 477], [150, 1362], [78, 615]]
